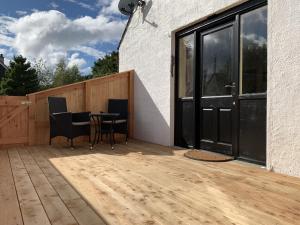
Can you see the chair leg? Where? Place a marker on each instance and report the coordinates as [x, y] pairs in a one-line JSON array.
[[111, 140], [72, 143], [111, 137], [126, 137], [114, 140], [98, 136], [50, 139]]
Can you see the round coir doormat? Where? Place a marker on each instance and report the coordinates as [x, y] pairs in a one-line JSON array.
[[207, 156]]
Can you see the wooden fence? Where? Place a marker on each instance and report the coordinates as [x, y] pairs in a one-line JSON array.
[[25, 119]]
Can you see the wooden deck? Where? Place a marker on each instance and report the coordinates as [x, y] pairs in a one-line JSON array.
[[139, 184]]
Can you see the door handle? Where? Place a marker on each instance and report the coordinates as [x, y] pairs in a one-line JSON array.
[[230, 85]]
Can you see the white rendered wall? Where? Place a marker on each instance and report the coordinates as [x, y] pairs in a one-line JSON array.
[[283, 110], [149, 44], [147, 48]]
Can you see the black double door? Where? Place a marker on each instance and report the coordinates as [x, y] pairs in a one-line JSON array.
[[221, 80]]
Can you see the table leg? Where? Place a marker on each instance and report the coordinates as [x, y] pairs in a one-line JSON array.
[[110, 136], [99, 129], [96, 131]]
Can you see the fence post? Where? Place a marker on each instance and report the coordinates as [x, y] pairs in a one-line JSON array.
[[87, 93], [131, 102], [31, 119]]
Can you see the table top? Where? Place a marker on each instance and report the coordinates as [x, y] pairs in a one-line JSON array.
[[105, 114]]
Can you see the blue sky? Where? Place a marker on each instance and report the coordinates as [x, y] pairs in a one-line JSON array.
[[80, 31]]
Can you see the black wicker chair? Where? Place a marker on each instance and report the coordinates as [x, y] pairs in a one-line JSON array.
[[67, 124], [120, 124]]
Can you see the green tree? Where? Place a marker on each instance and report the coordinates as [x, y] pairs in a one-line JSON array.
[[107, 65], [20, 78], [44, 73], [64, 75]]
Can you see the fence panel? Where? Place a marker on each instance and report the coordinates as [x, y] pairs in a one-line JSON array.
[[13, 120], [91, 95], [25, 120]]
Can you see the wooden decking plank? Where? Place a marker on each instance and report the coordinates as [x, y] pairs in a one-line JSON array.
[[147, 195], [140, 189], [245, 193], [246, 177], [258, 216], [249, 175], [142, 183], [175, 192], [82, 212], [162, 211], [56, 210], [112, 216], [233, 167], [10, 213], [31, 206]]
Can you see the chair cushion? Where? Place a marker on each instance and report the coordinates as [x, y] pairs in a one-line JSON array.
[[80, 123], [116, 121]]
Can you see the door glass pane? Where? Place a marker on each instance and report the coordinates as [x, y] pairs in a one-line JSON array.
[[217, 62], [253, 56], [186, 66]]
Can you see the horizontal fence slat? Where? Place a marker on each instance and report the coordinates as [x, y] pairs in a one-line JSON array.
[[13, 140]]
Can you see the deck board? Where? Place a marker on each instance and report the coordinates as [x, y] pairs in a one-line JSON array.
[[142, 183], [56, 210], [82, 212], [31, 207], [10, 213]]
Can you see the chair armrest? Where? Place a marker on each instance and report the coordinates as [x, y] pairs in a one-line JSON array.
[[62, 117], [81, 117]]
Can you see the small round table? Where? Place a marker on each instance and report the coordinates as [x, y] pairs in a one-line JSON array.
[[106, 119]]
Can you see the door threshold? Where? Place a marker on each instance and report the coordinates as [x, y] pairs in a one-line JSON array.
[[252, 161]]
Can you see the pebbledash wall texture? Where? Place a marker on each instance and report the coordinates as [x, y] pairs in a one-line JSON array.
[[148, 47]]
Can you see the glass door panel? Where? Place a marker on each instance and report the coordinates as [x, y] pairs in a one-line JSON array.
[[253, 52], [186, 66], [217, 62]]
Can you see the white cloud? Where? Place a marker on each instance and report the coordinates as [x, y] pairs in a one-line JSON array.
[[21, 13], [6, 61], [75, 60], [254, 38], [86, 71], [52, 58], [34, 10], [90, 51], [51, 35], [82, 4], [54, 5], [5, 21], [109, 7], [6, 40]]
